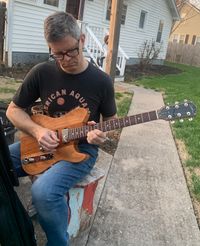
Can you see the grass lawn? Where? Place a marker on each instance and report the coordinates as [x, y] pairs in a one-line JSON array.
[[123, 101], [177, 87]]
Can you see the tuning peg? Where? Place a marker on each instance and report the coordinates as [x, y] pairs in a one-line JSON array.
[[181, 120], [190, 119]]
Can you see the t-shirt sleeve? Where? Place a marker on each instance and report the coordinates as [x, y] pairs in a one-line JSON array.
[[108, 106], [28, 92]]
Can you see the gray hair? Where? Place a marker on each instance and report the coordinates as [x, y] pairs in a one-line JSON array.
[[60, 25]]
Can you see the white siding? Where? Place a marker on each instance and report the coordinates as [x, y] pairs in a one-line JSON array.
[[27, 25], [27, 17], [131, 37]]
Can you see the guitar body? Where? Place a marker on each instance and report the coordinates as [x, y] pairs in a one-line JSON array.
[[67, 151]]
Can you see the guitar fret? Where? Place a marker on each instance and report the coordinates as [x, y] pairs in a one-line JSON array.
[[139, 118], [112, 124], [81, 132], [153, 115], [72, 133], [121, 122], [132, 119], [127, 121], [146, 117]]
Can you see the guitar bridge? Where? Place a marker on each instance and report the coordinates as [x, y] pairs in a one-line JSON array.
[[34, 159]]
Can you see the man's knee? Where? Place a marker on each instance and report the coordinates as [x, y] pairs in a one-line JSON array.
[[40, 193]]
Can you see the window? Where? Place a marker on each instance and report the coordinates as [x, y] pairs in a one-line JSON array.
[[143, 15], [124, 10], [160, 30], [193, 39], [187, 38], [182, 39], [198, 40], [175, 38], [54, 3]]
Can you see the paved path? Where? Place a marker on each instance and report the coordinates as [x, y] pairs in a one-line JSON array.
[[145, 200]]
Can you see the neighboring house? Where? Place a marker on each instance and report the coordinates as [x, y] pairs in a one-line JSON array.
[[141, 20], [187, 31]]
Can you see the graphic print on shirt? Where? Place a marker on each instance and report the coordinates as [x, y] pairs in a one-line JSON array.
[[62, 98]]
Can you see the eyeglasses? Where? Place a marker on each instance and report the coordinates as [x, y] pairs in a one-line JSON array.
[[70, 53]]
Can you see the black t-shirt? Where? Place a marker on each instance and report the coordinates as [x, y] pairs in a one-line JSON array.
[[62, 92]]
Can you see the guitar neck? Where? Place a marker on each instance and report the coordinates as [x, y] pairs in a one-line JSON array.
[[109, 125]]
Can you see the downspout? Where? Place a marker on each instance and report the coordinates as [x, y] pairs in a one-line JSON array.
[[9, 30], [81, 9]]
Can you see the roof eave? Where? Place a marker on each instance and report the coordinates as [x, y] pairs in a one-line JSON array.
[[174, 10]]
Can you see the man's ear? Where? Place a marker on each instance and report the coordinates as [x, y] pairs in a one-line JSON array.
[[82, 38]]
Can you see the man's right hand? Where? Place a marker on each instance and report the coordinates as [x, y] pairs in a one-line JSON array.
[[47, 139]]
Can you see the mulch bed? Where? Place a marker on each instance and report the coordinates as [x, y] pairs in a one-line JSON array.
[[134, 71]]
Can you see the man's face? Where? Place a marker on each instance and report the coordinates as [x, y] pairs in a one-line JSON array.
[[68, 53]]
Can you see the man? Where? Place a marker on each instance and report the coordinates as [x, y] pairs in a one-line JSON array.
[[63, 84]]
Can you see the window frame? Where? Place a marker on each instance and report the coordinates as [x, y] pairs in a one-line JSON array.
[[197, 40], [181, 40], [108, 12], [45, 2], [177, 39], [160, 31], [144, 21]]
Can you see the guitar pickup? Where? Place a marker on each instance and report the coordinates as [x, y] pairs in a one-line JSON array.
[[65, 135], [34, 159]]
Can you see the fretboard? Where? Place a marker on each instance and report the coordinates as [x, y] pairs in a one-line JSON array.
[[109, 125]]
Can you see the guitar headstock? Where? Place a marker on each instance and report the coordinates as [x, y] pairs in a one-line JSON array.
[[177, 111]]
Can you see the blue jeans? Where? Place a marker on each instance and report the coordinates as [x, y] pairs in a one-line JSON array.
[[48, 191]]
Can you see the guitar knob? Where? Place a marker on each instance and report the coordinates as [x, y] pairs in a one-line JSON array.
[[190, 119], [181, 120]]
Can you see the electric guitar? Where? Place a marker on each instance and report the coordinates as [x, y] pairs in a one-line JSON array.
[[72, 127]]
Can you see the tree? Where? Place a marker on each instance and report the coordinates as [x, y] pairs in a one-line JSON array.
[[149, 52]]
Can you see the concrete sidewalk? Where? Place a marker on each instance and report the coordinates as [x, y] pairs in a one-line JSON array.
[[145, 200]]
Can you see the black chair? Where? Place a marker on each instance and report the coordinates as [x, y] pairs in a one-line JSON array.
[[8, 127]]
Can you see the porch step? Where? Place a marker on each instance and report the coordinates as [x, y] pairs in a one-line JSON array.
[[119, 78]]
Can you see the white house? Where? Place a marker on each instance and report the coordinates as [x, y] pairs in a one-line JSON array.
[[141, 20]]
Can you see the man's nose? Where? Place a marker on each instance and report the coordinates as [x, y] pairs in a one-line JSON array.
[[66, 57]]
